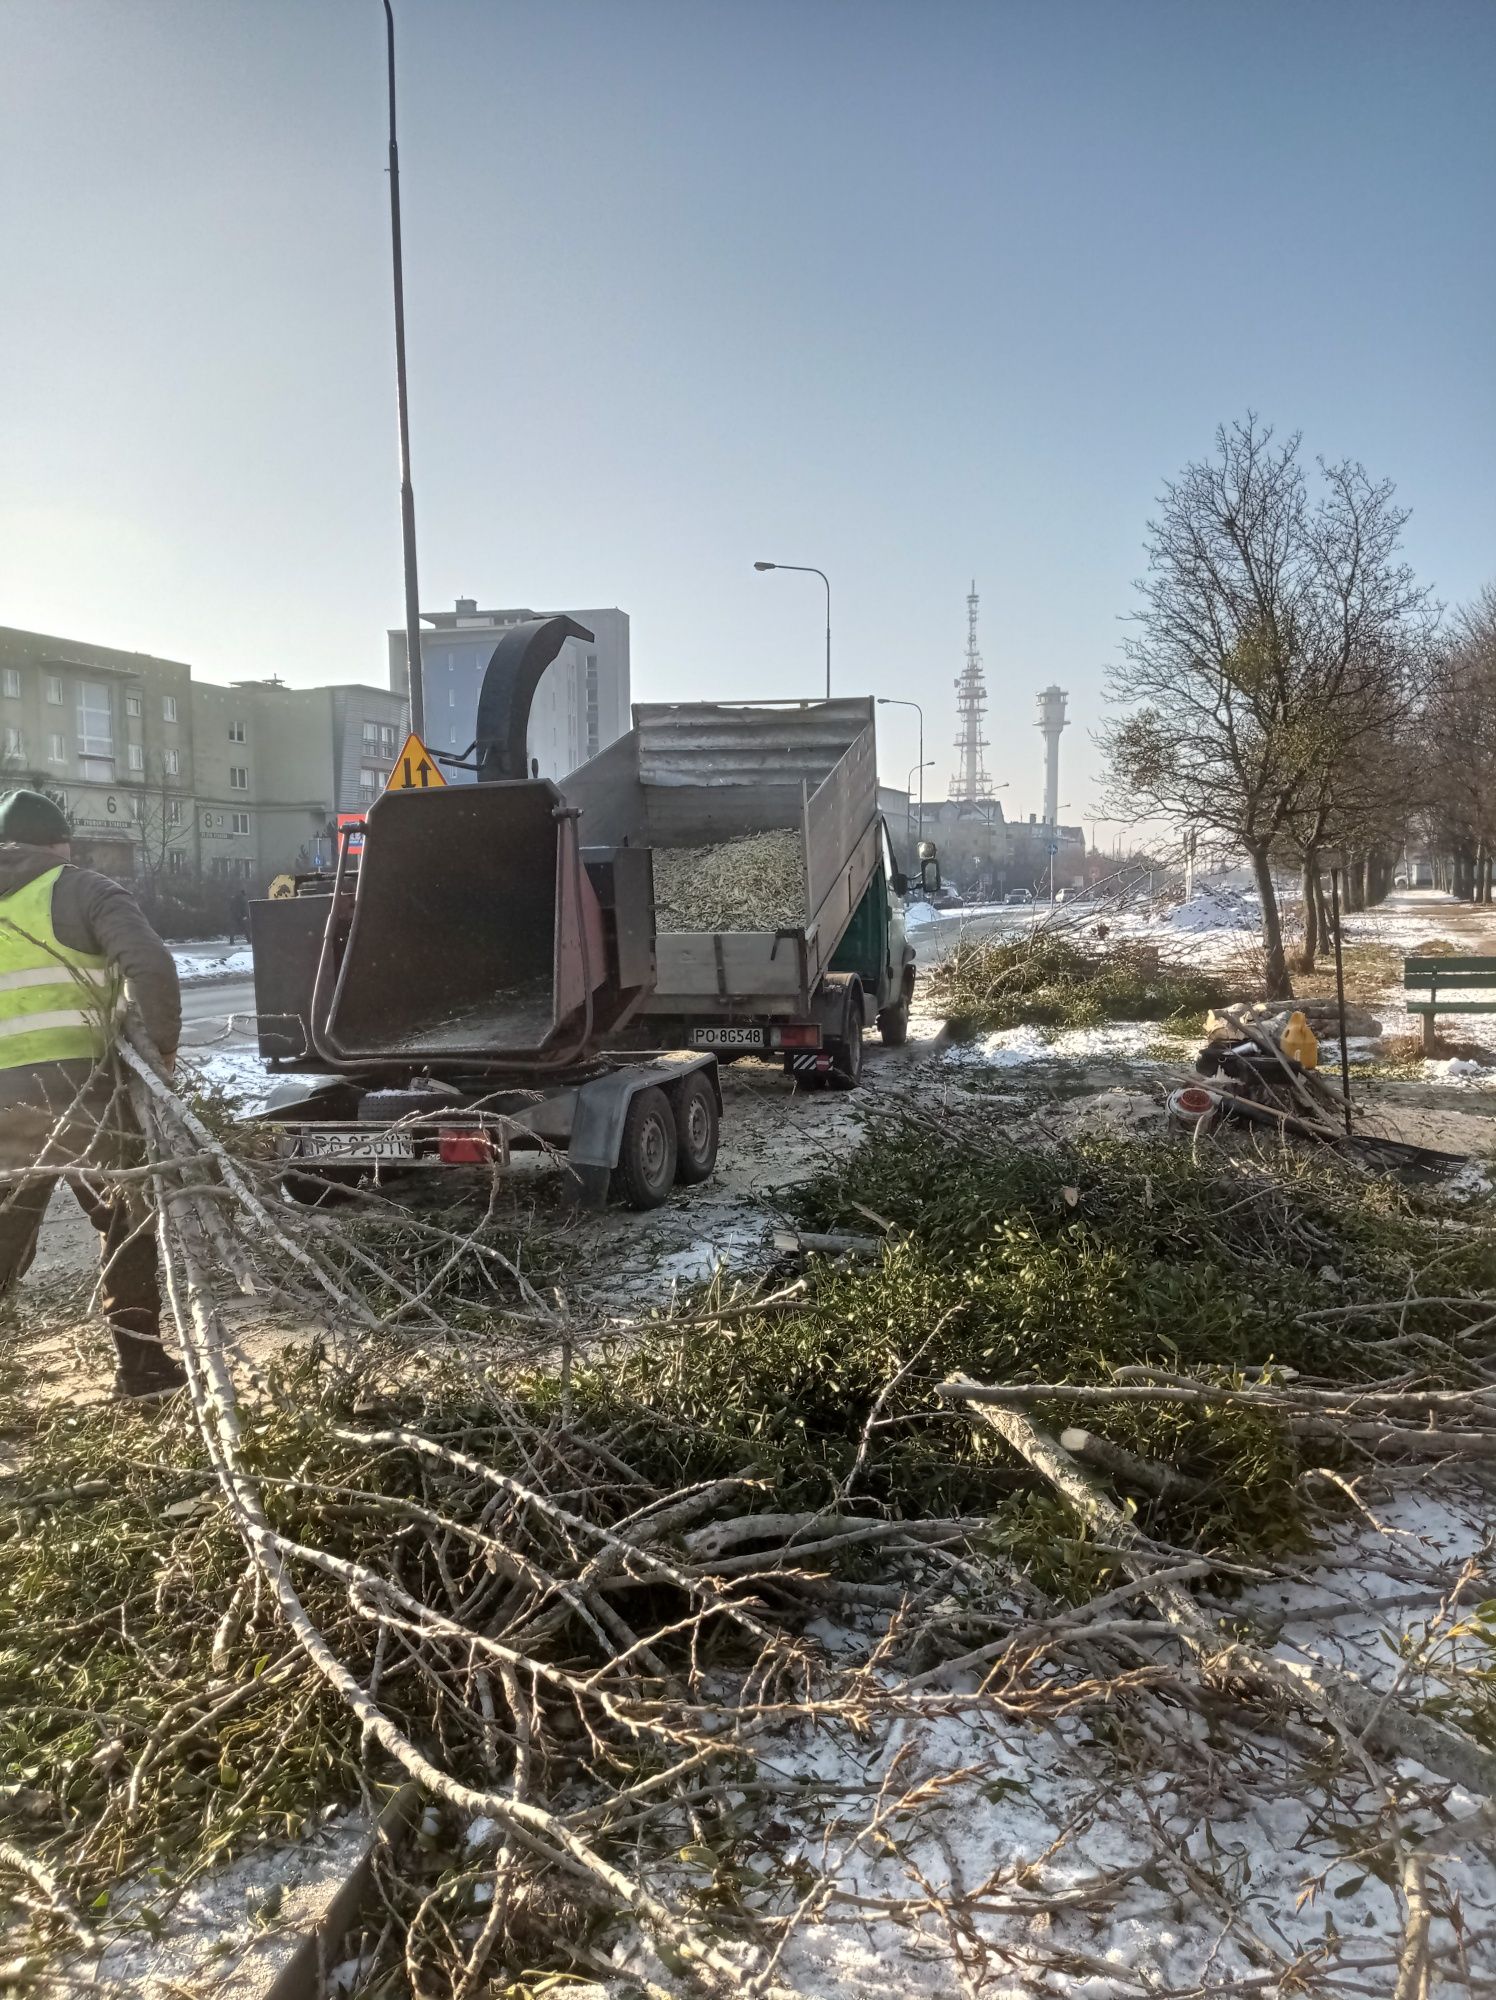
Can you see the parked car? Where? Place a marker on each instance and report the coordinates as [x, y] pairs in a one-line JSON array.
[[1020, 896], [945, 898]]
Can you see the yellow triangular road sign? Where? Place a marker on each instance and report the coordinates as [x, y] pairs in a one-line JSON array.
[[416, 770]]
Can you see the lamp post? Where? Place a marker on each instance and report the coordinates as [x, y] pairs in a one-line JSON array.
[[925, 764], [1054, 844], [805, 569], [414, 665], [893, 701]]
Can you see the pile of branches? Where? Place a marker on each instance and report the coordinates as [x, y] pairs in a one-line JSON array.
[[568, 1600], [1050, 979]]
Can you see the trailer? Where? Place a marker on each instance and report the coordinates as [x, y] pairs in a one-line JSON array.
[[695, 775], [449, 994]]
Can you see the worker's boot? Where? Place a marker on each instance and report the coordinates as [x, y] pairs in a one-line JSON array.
[[143, 1369]]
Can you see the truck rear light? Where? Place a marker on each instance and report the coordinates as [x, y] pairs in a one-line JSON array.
[[796, 1035], [462, 1148]]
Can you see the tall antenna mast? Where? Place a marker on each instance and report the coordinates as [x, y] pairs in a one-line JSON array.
[[971, 781], [414, 666]]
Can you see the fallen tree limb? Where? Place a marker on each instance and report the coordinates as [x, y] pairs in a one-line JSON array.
[[1336, 1696]]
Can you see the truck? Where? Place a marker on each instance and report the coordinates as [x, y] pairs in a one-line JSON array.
[[697, 774], [483, 970]]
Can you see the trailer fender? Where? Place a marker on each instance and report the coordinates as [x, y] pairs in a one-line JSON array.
[[602, 1105]]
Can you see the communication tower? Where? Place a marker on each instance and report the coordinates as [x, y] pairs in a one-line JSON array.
[[971, 781]]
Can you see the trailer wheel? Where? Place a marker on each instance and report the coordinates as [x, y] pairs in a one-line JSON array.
[[696, 1130], [648, 1149], [893, 1023]]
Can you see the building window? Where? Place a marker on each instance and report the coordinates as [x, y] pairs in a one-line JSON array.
[[176, 861], [236, 732], [97, 770], [168, 708], [134, 705], [14, 747], [238, 778], [220, 864], [173, 812], [95, 721], [136, 807], [135, 756], [244, 868], [171, 762], [54, 691], [57, 748], [380, 739], [240, 822], [13, 682], [371, 782]]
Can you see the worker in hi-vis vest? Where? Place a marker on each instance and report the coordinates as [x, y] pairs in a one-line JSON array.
[[71, 943]]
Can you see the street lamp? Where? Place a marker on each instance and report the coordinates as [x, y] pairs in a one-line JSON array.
[[805, 569], [925, 764], [1054, 843], [894, 701]]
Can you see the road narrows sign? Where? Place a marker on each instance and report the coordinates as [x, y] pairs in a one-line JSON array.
[[416, 770]]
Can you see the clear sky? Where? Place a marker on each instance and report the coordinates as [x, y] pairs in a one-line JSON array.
[[915, 292]]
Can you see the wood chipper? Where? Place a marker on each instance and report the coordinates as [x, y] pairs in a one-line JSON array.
[[448, 993]]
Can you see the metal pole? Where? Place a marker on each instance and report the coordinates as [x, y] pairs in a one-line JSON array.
[[827, 581], [414, 669], [1345, 1061]]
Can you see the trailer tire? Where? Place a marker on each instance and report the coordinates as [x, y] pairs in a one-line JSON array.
[[696, 1126], [648, 1150], [893, 1023]]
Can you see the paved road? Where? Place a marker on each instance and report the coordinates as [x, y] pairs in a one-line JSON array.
[[207, 1004]]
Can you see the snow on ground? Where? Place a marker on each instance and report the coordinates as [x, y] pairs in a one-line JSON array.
[[238, 1071], [213, 958], [1161, 1854], [236, 1928], [1012, 1048]]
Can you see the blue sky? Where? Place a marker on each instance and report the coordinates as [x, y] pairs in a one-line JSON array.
[[916, 293]]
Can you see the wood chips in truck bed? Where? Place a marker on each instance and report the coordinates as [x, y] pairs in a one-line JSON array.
[[754, 883]]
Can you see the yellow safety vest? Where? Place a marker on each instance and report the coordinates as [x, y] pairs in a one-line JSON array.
[[56, 1004]]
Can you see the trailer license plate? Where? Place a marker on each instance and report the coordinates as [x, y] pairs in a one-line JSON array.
[[357, 1146], [728, 1038]]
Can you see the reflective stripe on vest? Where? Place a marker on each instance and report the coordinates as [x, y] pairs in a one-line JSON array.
[[55, 1003]]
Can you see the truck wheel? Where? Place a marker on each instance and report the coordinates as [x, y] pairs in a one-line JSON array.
[[696, 1130], [648, 1149], [893, 1023], [846, 1055]]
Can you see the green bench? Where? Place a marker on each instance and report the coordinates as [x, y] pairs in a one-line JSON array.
[[1444, 977]]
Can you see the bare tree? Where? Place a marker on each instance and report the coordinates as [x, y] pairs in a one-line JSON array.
[[1277, 639], [1459, 743]]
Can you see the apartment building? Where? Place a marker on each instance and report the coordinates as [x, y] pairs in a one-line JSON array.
[[175, 782], [581, 705], [108, 734]]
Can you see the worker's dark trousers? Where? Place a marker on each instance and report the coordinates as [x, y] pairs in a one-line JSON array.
[[81, 1150]]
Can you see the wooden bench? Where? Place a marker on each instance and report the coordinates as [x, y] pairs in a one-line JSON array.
[[1445, 976]]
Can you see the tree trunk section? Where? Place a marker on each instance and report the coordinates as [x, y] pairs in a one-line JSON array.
[[1275, 965], [1311, 913]]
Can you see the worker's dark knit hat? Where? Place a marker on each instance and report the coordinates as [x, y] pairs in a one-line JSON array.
[[33, 818]]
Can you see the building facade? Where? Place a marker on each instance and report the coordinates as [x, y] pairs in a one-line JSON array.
[[581, 705], [183, 786]]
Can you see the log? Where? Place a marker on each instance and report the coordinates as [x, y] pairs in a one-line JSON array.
[[805, 1242]]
